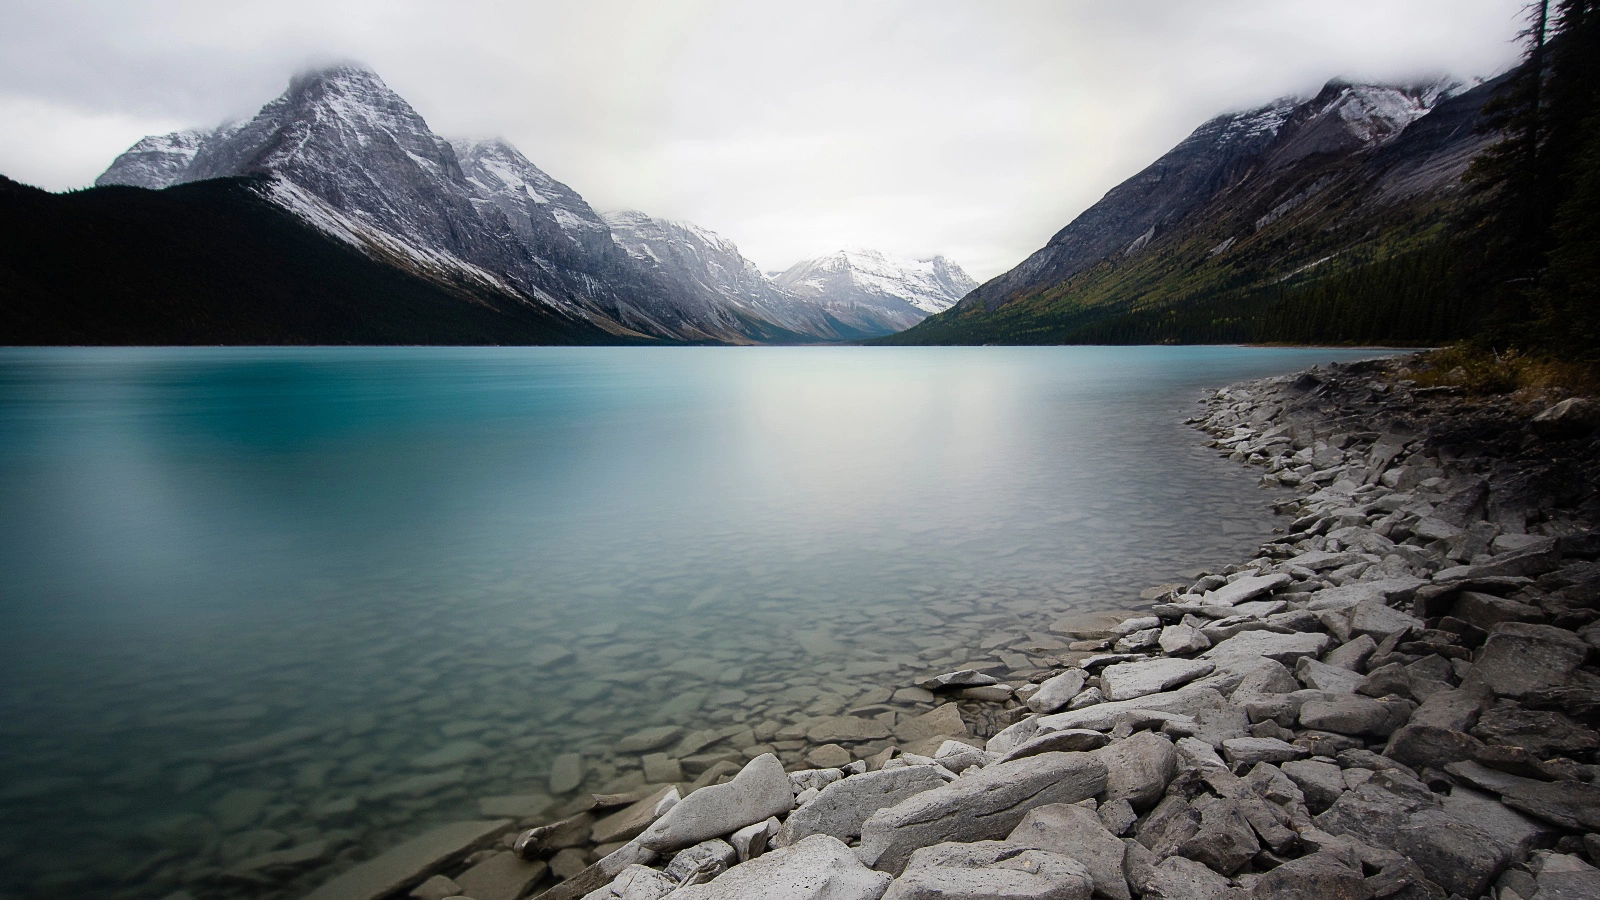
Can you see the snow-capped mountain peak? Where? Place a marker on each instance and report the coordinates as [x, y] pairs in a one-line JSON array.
[[1377, 113], [348, 155], [860, 285]]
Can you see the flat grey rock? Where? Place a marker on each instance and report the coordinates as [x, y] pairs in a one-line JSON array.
[[408, 862], [1352, 654], [817, 868], [650, 739], [1246, 752], [1570, 804], [501, 877], [1125, 681], [1566, 877], [1519, 658], [631, 821], [841, 807], [990, 870], [701, 862], [1394, 811], [1517, 830], [566, 773], [1246, 588], [959, 757], [1355, 715], [959, 678], [1282, 648], [1543, 733], [848, 729], [760, 790], [1072, 740], [985, 805], [1076, 832], [1188, 701], [943, 721]]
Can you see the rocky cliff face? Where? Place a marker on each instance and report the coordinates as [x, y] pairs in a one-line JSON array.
[[701, 263], [875, 292], [346, 153]]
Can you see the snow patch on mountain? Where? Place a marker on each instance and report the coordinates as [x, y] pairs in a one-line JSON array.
[[873, 290]]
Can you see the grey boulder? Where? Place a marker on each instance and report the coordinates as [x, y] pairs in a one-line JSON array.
[[1056, 692], [1125, 681], [1323, 875], [1519, 658], [1242, 753], [1225, 841], [1138, 769], [985, 805], [1177, 878], [842, 806], [1355, 715], [759, 791], [1074, 831]]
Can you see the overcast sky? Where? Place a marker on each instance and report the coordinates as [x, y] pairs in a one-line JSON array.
[[974, 129]]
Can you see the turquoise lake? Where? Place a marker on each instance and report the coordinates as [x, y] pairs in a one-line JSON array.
[[257, 598]]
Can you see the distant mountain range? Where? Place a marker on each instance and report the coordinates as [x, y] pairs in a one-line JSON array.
[[1230, 229], [349, 157], [1250, 204]]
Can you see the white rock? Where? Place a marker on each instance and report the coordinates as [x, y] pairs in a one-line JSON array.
[[841, 807], [817, 868], [1246, 588], [759, 791], [1180, 639], [1056, 692], [1126, 681], [959, 757], [1283, 648]]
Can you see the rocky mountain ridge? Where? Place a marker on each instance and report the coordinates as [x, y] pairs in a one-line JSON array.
[[344, 152], [1248, 199], [874, 291]]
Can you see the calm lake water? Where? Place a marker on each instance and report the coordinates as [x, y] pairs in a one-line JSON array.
[[253, 599]]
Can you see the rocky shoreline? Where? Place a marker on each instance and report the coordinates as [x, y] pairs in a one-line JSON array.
[[1394, 698]]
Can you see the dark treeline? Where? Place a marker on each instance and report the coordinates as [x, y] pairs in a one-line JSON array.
[[214, 263], [1416, 298], [1518, 268]]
